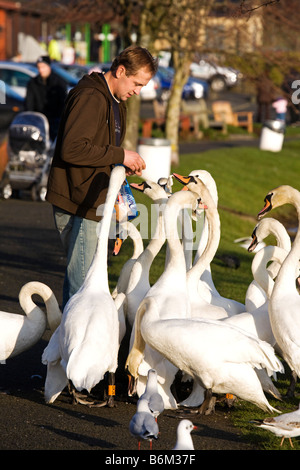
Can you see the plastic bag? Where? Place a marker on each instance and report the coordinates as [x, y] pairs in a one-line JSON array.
[[125, 205]]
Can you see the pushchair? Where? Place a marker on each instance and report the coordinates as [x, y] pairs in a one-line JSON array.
[[30, 153]]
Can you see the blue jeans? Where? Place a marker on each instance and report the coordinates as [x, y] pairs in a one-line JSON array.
[[79, 239]]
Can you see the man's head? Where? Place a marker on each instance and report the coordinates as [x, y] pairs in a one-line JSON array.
[[130, 71], [44, 66]]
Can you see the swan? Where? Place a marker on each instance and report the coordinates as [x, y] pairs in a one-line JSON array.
[[20, 332], [170, 294], [284, 303], [218, 307], [255, 295], [127, 229], [88, 336], [257, 322], [138, 283], [219, 356], [231, 305]]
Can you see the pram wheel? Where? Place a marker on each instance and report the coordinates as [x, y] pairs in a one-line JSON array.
[[38, 193], [7, 191], [42, 193]]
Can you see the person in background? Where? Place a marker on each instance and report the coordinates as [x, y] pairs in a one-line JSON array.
[[46, 94], [264, 97], [88, 145], [280, 106]]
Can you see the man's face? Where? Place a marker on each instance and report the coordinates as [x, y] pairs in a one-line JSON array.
[[132, 85], [44, 69]]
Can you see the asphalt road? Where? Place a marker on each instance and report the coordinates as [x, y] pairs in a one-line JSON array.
[[30, 250]]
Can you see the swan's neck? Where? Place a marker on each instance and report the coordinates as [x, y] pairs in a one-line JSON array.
[[97, 274], [289, 269], [259, 266], [213, 235], [176, 258], [150, 252], [133, 233], [32, 311]]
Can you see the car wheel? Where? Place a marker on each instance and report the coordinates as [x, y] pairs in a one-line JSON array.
[[218, 83]]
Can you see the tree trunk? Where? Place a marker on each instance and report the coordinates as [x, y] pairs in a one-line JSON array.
[[181, 67], [132, 126]]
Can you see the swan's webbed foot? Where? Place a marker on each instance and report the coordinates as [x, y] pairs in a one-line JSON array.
[[110, 401], [208, 405], [229, 399], [88, 400], [290, 393]]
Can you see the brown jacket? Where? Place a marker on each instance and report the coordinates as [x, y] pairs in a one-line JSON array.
[[85, 149]]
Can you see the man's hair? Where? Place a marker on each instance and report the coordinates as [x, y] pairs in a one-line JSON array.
[[133, 58]]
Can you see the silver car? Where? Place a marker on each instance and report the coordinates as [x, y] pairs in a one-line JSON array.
[[218, 76]]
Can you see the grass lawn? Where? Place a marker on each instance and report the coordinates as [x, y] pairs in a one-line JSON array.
[[243, 176]]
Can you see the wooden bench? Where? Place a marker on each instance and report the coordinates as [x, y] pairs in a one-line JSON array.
[[223, 112], [148, 123]]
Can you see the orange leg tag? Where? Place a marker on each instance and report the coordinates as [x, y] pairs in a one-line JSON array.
[[111, 390], [229, 396]]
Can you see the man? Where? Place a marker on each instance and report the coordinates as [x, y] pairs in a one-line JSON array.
[[46, 94], [89, 141]]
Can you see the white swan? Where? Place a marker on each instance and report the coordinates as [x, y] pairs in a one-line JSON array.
[[88, 336], [127, 229], [218, 307], [257, 322], [284, 304], [138, 283], [255, 295], [220, 357], [20, 332], [170, 294]]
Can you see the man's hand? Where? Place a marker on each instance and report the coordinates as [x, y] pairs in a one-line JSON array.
[[134, 163]]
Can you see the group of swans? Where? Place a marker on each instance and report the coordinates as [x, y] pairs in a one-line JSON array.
[[284, 303], [219, 356], [181, 322]]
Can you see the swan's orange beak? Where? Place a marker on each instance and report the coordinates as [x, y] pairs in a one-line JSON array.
[[139, 187], [183, 179], [117, 246], [253, 243], [267, 207]]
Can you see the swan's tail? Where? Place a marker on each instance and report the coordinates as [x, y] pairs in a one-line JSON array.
[[136, 354]]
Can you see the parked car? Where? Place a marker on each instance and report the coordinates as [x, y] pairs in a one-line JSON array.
[[193, 89], [15, 76], [18, 74], [219, 77], [11, 104], [76, 70]]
